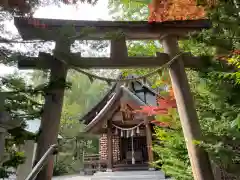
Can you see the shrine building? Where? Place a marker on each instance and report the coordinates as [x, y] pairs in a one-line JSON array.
[[125, 141]]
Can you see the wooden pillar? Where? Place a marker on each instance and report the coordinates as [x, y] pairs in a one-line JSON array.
[[109, 146], [2, 130], [199, 159], [149, 143], [52, 111], [2, 142]]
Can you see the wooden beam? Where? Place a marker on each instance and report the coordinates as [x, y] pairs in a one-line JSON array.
[[199, 159], [44, 61], [99, 30], [128, 123], [118, 49]]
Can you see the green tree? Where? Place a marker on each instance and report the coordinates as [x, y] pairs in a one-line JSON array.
[[21, 105]]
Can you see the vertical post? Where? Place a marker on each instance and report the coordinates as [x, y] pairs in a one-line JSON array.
[[149, 143], [199, 159], [109, 145], [52, 110], [2, 142], [25, 168], [4, 118], [34, 153]]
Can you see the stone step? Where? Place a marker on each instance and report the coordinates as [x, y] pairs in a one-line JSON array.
[[129, 175], [159, 173], [128, 178]]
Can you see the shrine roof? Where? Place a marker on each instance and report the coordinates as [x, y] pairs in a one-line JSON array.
[[45, 29], [98, 112]]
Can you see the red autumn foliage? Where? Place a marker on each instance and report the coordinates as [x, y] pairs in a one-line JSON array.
[[232, 53], [164, 105], [165, 10], [151, 110], [236, 52], [162, 124], [36, 23]]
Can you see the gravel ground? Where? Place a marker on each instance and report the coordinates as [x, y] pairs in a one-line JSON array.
[[68, 177]]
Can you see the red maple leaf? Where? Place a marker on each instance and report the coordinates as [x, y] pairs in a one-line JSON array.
[[162, 124], [36, 23], [167, 103], [148, 110], [164, 105], [162, 10]]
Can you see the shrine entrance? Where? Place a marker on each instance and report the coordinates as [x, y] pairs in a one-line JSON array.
[[134, 147]]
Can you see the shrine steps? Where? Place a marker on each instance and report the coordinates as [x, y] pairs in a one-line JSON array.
[[129, 175], [130, 167]]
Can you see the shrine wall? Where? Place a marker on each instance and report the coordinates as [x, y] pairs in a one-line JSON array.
[[103, 150]]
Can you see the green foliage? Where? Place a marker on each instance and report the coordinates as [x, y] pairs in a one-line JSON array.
[[21, 105], [60, 168], [128, 9], [82, 96], [171, 150], [217, 103], [14, 158]]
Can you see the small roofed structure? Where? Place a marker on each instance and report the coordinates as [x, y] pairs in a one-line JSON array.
[[125, 137]]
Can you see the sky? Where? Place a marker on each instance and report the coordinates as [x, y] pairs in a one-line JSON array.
[[79, 12]]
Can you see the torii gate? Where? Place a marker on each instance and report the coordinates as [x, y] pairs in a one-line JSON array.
[[167, 32]]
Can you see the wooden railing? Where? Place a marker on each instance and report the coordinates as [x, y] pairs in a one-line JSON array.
[[45, 158], [91, 157], [93, 163]]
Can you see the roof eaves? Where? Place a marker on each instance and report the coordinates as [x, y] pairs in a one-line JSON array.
[[88, 116], [101, 114], [132, 95]]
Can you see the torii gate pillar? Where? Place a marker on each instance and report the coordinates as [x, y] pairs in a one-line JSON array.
[[52, 111], [201, 166]]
